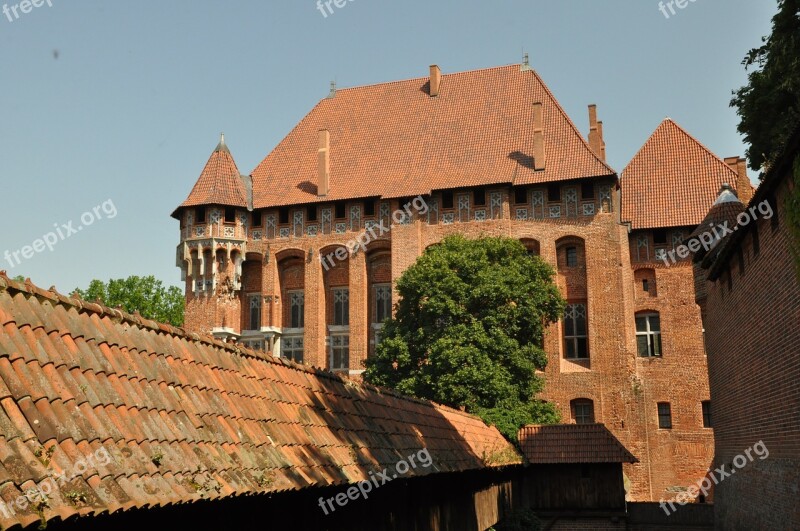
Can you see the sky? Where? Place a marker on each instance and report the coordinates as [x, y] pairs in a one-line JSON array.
[[109, 110]]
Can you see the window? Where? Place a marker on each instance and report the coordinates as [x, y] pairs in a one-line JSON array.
[[583, 411], [383, 302], [447, 199], [648, 335], [341, 209], [230, 215], [292, 348], [576, 343], [572, 256], [283, 216], [520, 196], [587, 190], [369, 208], [255, 312], [664, 416], [341, 307], [645, 285], [340, 352], [201, 215], [256, 219], [553, 192], [480, 197], [706, 405], [311, 213], [297, 306]]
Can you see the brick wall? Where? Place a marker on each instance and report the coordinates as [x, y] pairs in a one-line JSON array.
[[624, 389], [752, 320]]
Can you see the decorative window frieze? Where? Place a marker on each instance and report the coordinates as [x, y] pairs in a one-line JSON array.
[[555, 211], [480, 215], [355, 218], [496, 205]]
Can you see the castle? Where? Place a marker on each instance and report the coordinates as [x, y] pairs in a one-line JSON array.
[[268, 262]]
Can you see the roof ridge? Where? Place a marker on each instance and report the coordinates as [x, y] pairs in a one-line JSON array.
[[135, 319], [664, 124], [399, 81], [569, 121]]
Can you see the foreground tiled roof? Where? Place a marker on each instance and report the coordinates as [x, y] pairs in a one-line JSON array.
[[219, 182], [185, 418], [672, 181], [394, 140], [572, 443]]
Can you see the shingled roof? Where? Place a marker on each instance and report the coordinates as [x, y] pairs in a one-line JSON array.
[[220, 182], [394, 140], [185, 417], [672, 181], [572, 443]]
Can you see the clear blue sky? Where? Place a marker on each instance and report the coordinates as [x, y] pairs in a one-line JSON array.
[[125, 100]]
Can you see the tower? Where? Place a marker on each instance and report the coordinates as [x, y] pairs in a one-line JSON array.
[[213, 231]]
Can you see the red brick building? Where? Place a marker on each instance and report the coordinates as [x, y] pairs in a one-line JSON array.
[[488, 152], [751, 309]]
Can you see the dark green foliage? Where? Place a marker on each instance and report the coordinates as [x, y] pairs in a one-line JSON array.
[[468, 331], [145, 295], [769, 105]]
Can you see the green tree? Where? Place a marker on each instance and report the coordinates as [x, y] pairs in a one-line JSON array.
[[769, 105], [468, 331], [146, 295]]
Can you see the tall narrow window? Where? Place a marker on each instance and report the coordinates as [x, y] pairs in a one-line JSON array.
[[648, 335], [664, 416], [340, 351], [480, 197], [447, 199], [706, 405], [201, 214], [554, 192], [583, 411], [255, 312], [383, 302], [572, 256], [576, 343], [297, 305], [341, 307]]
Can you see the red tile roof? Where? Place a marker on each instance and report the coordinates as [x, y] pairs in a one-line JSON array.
[[185, 417], [672, 181], [572, 443], [220, 182], [394, 140]]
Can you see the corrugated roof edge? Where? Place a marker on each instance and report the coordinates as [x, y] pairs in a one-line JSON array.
[[52, 294]]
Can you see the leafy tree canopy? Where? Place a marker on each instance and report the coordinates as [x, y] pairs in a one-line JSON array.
[[769, 105], [468, 331], [146, 295]]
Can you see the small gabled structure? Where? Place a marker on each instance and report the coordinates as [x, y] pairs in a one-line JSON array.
[[574, 467]]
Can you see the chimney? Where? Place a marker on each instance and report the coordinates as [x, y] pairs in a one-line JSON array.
[[436, 80], [744, 190], [538, 137], [596, 142], [324, 163]]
